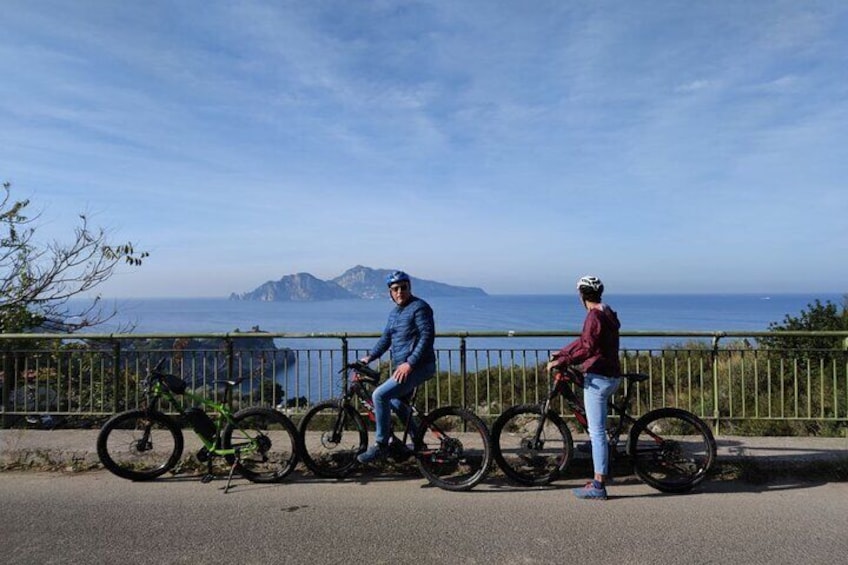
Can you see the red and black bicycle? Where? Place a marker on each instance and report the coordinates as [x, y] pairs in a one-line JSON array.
[[671, 449], [450, 444]]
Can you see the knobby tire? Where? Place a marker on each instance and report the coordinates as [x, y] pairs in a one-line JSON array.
[[324, 453], [123, 451], [267, 443], [519, 456], [672, 449], [453, 448]]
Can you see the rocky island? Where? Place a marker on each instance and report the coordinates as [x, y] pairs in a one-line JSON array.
[[356, 283]]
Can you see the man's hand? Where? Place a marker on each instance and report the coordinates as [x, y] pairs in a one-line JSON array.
[[402, 372]]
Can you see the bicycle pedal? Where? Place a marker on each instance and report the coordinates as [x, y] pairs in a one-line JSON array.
[[207, 479], [399, 452]]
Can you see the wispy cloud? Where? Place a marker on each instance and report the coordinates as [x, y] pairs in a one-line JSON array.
[[694, 86]]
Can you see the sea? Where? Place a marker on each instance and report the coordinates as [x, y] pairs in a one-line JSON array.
[[501, 314]]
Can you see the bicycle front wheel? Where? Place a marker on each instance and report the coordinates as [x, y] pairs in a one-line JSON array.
[[672, 450], [140, 445], [527, 454], [453, 448], [266, 444], [331, 436]]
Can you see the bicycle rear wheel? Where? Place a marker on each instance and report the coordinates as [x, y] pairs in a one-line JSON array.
[[331, 436], [453, 448], [672, 450], [267, 444], [140, 445], [522, 456]]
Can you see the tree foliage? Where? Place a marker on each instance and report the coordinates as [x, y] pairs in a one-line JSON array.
[[38, 279], [817, 317]]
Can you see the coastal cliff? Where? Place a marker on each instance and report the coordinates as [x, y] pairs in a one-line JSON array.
[[357, 282]]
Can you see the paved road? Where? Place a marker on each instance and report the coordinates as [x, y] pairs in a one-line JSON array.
[[98, 518]]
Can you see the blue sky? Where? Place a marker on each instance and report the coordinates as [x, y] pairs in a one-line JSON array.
[[664, 146]]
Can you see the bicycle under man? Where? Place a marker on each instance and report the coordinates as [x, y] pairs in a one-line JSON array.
[[450, 444]]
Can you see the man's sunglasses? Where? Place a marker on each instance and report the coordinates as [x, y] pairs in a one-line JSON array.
[[399, 287]]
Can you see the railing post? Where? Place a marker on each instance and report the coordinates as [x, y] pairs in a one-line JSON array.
[[345, 351], [463, 370], [8, 379], [116, 370], [230, 358], [716, 412]]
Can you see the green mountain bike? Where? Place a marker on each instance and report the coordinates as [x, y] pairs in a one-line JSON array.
[[140, 445]]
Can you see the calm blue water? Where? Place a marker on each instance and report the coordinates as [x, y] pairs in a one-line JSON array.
[[499, 313]]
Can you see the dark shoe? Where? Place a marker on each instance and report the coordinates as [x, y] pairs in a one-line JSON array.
[[592, 491], [376, 452]]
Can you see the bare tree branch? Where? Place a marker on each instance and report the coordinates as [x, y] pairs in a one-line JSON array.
[[40, 280]]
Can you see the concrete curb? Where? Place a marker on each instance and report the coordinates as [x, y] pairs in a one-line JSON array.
[[75, 450]]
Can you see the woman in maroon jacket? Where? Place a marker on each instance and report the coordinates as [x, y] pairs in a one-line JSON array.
[[596, 350]]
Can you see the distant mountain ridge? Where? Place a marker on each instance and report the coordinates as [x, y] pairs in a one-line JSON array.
[[356, 282]]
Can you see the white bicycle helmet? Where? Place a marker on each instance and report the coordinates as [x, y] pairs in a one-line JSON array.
[[590, 285]]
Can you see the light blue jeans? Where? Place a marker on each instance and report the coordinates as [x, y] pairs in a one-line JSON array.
[[596, 393], [388, 396]]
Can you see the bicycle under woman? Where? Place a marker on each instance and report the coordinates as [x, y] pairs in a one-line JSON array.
[[450, 444], [671, 449]]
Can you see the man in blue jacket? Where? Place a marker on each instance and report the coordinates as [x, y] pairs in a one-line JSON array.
[[411, 333]]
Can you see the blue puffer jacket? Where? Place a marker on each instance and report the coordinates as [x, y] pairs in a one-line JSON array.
[[411, 332]]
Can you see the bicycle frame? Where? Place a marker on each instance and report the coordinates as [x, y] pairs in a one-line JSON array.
[[562, 386], [157, 390], [358, 384]]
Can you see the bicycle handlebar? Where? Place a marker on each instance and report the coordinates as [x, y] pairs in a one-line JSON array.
[[361, 367]]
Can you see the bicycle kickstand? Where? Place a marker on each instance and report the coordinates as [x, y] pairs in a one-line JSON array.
[[236, 461]]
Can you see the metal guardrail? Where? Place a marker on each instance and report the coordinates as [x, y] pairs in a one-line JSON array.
[[724, 377]]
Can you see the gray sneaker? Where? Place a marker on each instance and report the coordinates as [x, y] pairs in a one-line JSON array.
[[376, 452], [592, 491]]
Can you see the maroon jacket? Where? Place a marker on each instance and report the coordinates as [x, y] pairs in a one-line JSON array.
[[597, 347]]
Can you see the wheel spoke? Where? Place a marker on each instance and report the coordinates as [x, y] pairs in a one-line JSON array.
[[331, 439], [266, 444], [526, 454], [453, 449]]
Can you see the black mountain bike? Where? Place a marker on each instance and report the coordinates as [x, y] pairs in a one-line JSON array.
[[672, 450], [259, 443], [450, 444]]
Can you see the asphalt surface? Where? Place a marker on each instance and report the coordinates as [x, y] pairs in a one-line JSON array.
[[96, 517], [61, 507]]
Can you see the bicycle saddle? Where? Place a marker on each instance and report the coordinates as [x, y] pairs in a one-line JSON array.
[[635, 377]]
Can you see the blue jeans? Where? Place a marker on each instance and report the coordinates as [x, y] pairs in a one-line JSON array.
[[596, 392], [388, 396]]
